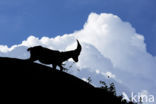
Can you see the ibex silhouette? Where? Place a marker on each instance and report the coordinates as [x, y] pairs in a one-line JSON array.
[[54, 57]]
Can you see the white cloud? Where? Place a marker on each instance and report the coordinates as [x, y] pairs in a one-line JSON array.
[[115, 39], [4, 48], [109, 45], [31, 41]]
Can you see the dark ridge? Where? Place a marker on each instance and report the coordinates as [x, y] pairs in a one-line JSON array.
[[24, 78], [24, 70]]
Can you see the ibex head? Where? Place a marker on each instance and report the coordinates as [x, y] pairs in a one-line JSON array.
[[76, 52]]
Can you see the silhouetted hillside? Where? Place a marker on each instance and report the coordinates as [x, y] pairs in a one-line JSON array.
[[17, 74], [22, 70]]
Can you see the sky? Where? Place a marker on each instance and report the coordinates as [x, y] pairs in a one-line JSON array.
[[110, 47], [117, 37], [21, 18]]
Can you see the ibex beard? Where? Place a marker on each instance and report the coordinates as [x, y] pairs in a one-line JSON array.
[[54, 57]]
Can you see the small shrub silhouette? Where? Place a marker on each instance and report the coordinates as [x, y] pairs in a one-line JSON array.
[[110, 93]]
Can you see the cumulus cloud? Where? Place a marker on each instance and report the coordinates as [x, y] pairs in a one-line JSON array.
[[110, 47], [116, 40]]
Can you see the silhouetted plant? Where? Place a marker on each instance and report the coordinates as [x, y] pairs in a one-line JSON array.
[[104, 85], [140, 102], [89, 80], [124, 102], [65, 69], [112, 89]]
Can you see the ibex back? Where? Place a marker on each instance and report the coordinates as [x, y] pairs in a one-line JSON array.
[[54, 57]]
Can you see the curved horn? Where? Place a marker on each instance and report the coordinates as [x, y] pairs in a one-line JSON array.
[[78, 49]]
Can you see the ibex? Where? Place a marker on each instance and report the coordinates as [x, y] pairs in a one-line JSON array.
[[54, 57]]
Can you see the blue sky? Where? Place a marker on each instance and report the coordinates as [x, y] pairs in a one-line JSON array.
[[22, 18]]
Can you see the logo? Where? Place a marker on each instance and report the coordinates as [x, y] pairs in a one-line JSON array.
[[139, 97]]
